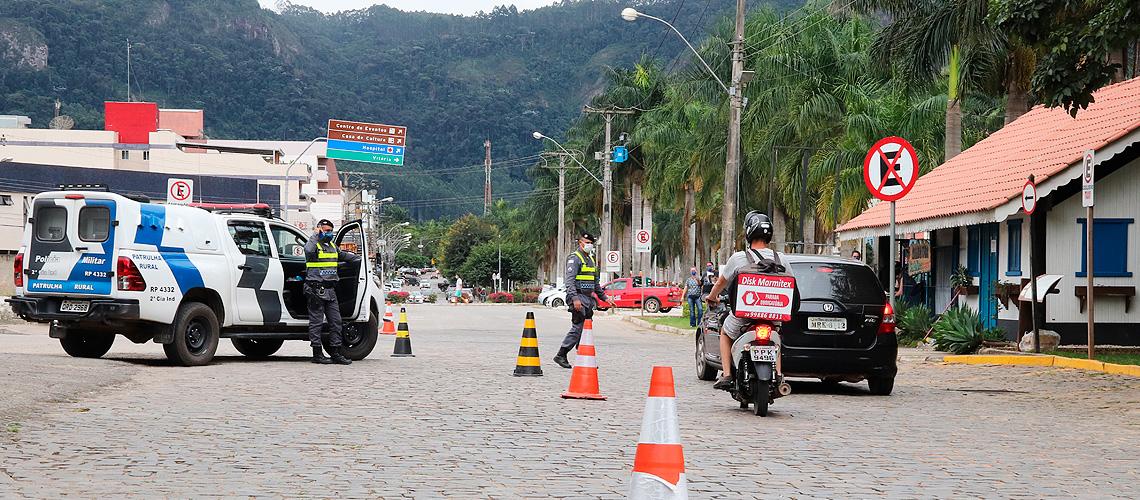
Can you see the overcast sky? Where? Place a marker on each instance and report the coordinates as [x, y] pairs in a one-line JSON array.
[[467, 7]]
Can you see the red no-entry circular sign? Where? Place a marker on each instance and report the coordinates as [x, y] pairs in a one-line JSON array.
[[890, 168]]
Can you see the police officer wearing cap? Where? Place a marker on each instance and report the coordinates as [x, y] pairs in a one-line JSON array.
[[581, 287], [321, 259]]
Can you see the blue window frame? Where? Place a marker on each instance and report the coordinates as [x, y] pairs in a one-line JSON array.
[[1013, 257], [1110, 252], [973, 250]]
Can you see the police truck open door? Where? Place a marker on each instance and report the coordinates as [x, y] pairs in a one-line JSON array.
[[352, 291]]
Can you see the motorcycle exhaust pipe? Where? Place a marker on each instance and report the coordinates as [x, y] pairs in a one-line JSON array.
[[784, 389]]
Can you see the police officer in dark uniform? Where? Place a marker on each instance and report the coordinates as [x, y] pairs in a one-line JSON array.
[[321, 258], [581, 286]]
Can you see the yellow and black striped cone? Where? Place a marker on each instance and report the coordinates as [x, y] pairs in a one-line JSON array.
[[403, 339], [528, 365]]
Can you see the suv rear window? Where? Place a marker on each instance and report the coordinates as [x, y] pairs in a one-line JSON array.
[[846, 283], [51, 223], [94, 224]]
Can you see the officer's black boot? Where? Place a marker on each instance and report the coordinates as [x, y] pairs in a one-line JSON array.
[[561, 357], [338, 356], [319, 356]]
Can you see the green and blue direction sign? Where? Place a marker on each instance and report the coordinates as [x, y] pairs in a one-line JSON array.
[[366, 142]]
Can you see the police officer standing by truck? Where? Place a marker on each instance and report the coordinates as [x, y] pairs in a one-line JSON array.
[[581, 286], [321, 258]]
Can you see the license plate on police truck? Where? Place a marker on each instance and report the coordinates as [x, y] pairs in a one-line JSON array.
[[74, 306], [764, 353], [827, 324]]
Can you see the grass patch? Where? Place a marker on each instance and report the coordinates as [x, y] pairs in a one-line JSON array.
[[1119, 358], [674, 321]]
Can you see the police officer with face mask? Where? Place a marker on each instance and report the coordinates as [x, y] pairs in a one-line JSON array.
[[581, 286], [321, 258]]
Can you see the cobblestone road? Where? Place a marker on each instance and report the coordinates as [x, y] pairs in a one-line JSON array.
[[453, 422]]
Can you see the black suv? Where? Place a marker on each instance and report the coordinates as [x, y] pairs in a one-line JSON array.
[[843, 331]]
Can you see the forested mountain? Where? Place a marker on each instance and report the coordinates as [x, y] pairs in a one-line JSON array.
[[259, 74]]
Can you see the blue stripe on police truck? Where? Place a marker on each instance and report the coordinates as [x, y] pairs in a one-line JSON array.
[[152, 225]]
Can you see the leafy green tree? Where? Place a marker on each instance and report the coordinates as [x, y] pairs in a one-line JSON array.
[[465, 234], [412, 259], [518, 263], [1081, 44]]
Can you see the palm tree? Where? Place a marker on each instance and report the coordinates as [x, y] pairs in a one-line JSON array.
[[927, 37]]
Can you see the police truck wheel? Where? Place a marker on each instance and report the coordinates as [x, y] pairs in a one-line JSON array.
[[652, 305], [89, 345], [359, 338], [257, 348], [196, 335]]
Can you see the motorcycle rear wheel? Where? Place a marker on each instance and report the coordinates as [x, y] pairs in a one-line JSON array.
[[760, 397]]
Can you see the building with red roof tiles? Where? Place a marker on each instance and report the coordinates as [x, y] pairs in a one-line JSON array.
[[968, 213]]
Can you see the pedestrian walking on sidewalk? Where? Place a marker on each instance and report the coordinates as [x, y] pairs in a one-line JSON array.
[[693, 296], [581, 288]]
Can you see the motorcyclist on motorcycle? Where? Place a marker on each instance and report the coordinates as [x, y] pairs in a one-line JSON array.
[[758, 233]]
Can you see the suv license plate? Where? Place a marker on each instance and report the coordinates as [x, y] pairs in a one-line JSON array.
[[828, 324], [764, 353], [74, 306]]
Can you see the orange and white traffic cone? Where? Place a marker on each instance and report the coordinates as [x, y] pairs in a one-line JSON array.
[[389, 324], [659, 465], [584, 377]]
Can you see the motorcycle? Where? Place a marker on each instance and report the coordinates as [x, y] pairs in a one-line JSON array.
[[755, 378]]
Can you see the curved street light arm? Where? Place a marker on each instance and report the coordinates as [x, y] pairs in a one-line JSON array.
[[698, 54], [575, 158]]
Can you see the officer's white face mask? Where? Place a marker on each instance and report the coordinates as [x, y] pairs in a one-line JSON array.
[[588, 248]]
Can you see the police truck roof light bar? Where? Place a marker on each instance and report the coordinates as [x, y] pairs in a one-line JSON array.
[[83, 187]]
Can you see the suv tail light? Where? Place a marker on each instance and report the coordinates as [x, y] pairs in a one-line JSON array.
[[129, 277], [887, 326], [763, 334], [18, 270]]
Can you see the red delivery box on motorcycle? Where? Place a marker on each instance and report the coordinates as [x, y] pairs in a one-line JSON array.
[[763, 296]]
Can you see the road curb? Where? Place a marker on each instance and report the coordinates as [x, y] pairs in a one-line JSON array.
[[1045, 360], [651, 326]]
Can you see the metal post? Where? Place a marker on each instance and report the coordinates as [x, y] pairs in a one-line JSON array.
[[804, 157], [487, 182], [1033, 289], [128, 70], [892, 258], [560, 246], [732, 156], [607, 186], [285, 204], [1089, 295]]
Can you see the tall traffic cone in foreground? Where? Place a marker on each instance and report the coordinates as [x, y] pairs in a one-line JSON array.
[[584, 378], [659, 465], [528, 364], [389, 325], [403, 339]]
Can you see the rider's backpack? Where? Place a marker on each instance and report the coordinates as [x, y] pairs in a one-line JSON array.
[[763, 289]]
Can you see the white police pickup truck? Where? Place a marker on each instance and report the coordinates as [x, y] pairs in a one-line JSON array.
[[97, 264]]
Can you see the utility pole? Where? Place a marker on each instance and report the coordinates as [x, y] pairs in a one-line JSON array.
[[560, 243], [607, 176], [732, 162], [560, 264], [487, 183]]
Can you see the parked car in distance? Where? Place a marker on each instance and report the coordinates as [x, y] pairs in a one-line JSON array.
[[425, 284], [625, 293], [415, 298], [552, 296], [844, 330]]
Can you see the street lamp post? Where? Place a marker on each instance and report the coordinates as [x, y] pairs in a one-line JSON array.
[[736, 106], [285, 205]]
